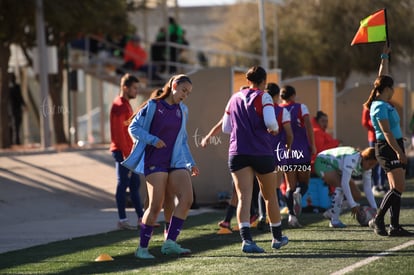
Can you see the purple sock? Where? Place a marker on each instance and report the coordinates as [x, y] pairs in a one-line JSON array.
[[145, 235], [175, 227]]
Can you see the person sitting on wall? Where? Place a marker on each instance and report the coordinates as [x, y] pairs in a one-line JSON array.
[[136, 59]]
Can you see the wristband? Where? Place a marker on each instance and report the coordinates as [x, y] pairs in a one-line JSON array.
[[384, 56]]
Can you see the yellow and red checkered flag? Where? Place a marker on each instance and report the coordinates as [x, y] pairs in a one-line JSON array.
[[372, 29]]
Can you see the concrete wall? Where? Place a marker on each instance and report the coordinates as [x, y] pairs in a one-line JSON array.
[[211, 91]]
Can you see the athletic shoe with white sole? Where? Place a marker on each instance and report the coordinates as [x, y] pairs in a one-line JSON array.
[[378, 226], [126, 226], [251, 247], [143, 253], [297, 203], [170, 247], [399, 232], [337, 224], [277, 244], [293, 222]]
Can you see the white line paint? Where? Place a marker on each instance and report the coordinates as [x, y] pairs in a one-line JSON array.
[[373, 258]]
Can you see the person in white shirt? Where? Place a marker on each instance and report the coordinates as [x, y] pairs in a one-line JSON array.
[[336, 167]]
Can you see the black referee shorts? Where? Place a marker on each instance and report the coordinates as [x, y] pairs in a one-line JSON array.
[[386, 156]]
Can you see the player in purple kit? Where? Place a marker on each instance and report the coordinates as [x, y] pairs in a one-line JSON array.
[[162, 154], [298, 160], [249, 118]]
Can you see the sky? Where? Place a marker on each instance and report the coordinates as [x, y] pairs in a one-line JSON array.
[[189, 3]]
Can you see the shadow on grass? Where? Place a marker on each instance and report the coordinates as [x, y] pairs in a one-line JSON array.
[[115, 241], [77, 256]]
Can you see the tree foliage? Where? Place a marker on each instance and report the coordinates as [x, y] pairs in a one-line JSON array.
[[314, 36], [65, 20]]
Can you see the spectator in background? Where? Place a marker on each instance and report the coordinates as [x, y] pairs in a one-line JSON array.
[[121, 145], [17, 105], [136, 59], [323, 140], [184, 53], [378, 174], [175, 34], [117, 45], [158, 49]]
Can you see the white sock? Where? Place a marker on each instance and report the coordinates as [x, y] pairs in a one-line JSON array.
[[337, 199]]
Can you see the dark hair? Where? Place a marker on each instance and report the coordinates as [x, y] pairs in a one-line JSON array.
[[287, 91], [272, 89], [381, 82], [166, 90], [128, 80], [256, 74], [171, 20], [320, 114], [368, 153]]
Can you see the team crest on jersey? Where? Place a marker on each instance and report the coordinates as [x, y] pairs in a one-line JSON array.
[[178, 113]]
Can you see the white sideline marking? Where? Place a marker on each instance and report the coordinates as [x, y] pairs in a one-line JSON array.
[[372, 258]]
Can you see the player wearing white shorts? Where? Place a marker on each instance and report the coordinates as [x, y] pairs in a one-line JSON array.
[[336, 167]]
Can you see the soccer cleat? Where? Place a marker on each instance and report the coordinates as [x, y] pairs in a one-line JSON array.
[[328, 214], [277, 244], [170, 247], [251, 247], [142, 253], [297, 203], [224, 224], [261, 224], [126, 226], [337, 224], [399, 232], [377, 191], [293, 222], [378, 226]]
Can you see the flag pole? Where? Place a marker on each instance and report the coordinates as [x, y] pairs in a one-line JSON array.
[[386, 33], [386, 27]]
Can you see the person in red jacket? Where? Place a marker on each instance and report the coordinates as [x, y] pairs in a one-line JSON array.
[[121, 145], [136, 59], [323, 140], [378, 174]]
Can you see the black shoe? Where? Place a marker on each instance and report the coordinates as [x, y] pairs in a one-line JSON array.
[[378, 226], [195, 206], [261, 225], [399, 232]]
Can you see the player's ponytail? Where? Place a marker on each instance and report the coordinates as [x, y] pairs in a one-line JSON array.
[[381, 82]]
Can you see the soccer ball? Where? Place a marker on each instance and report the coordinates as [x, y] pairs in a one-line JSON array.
[[365, 214]]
